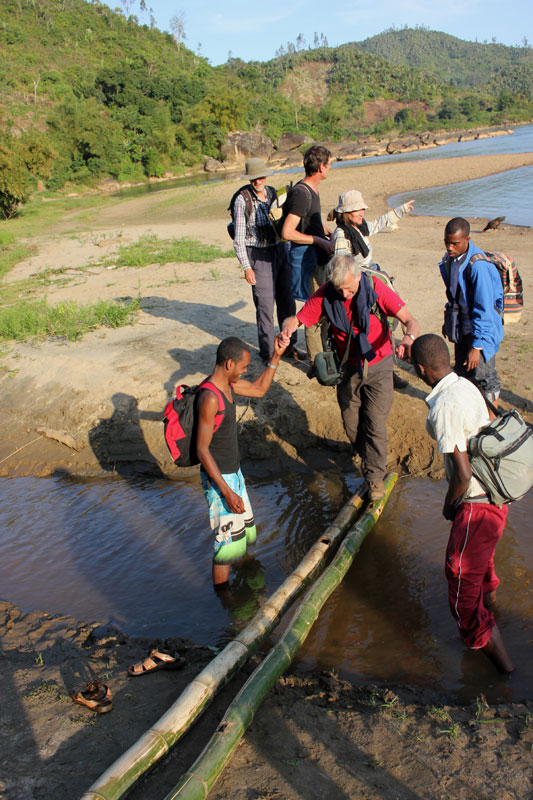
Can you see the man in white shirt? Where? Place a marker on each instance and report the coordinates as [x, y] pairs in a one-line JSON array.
[[456, 413]]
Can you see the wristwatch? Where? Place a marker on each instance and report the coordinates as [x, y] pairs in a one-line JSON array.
[[411, 336]]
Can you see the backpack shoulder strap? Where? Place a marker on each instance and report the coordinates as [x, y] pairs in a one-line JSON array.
[[310, 191], [468, 268], [245, 192], [219, 416]]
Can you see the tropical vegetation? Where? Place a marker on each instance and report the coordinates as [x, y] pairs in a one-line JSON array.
[[90, 93]]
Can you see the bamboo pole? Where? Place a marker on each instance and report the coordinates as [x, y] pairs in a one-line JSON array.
[[116, 781], [198, 782]]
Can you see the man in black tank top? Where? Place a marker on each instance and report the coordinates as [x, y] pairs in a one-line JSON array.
[[230, 513]]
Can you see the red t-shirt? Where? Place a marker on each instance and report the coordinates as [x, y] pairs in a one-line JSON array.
[[378, 336]]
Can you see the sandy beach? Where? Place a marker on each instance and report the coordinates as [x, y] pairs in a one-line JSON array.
[[87, 406]]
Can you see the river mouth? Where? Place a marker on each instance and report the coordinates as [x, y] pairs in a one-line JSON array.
[[137, 553]]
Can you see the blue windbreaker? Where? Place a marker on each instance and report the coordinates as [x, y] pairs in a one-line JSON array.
[[484, 297]]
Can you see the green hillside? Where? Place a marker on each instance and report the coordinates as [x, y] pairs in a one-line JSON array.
[[87, 93], [491, 67]]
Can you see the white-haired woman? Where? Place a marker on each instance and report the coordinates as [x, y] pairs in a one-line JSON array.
[[353, 232]]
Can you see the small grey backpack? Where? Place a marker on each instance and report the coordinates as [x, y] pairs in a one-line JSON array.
[[501, 457]]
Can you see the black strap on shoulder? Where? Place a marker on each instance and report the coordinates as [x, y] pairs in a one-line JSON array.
[[245, 191], [301, 183]]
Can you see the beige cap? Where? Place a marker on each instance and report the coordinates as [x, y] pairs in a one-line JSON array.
[[350, 201]]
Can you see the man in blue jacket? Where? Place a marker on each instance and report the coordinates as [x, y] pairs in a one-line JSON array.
[[473, 313]]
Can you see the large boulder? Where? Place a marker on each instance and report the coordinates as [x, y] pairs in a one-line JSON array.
[[292, 141], [348, 151], [402, 145], [242, 145], [212, 165], [286, 158]]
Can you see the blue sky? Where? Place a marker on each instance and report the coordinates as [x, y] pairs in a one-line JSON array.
[[255, 31]]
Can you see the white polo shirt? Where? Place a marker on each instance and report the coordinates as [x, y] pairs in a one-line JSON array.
[[457, 411]]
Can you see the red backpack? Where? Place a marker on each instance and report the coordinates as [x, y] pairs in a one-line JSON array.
[[181, 422]]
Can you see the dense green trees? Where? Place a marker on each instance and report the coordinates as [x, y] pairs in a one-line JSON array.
[[89, 93]]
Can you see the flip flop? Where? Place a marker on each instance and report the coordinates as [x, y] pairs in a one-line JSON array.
[[158, 659], [95, 696]]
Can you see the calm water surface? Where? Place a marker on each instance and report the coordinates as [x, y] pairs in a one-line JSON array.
[[137, 553], [508, 194]]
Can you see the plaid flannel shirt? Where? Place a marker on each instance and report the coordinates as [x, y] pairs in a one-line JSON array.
[[246, 231]]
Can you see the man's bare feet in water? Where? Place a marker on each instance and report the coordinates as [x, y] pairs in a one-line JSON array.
[[495, 650]]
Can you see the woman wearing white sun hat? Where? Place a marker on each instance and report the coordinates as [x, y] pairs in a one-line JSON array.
[[353, 232]]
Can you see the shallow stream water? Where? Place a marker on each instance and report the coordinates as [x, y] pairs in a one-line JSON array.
[[137, 553]]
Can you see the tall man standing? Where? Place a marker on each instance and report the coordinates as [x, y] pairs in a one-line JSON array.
[[303, 227], [456, 413], [473, 313]]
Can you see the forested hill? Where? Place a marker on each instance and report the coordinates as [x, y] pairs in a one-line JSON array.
[[87, 93], [485, 65]]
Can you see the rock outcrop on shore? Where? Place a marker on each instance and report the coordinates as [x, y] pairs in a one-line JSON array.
[[287, 152]]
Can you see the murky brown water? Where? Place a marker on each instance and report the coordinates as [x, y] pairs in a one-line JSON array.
[[138, 553]]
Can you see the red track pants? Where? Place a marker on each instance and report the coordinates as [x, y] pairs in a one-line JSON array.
[[469, 568]]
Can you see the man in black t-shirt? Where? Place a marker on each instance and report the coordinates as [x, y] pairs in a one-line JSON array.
[[302, 226]]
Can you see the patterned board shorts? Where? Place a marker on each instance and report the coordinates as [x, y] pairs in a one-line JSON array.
[[232, 531]]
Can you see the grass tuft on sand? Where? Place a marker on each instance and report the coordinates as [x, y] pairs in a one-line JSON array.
[[150, 249], [30, 320]]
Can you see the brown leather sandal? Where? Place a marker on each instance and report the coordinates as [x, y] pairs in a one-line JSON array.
[[158, 659], [95, 696]]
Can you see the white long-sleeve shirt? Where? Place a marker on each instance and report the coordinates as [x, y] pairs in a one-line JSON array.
[[386, 221]]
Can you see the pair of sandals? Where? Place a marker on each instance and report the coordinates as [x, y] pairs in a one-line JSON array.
[[97, 696]]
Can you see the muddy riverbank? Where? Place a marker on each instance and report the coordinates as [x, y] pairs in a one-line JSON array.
[[88, 405], [314, 737]]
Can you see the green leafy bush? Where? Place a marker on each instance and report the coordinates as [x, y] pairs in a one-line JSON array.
[[15, 179]]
